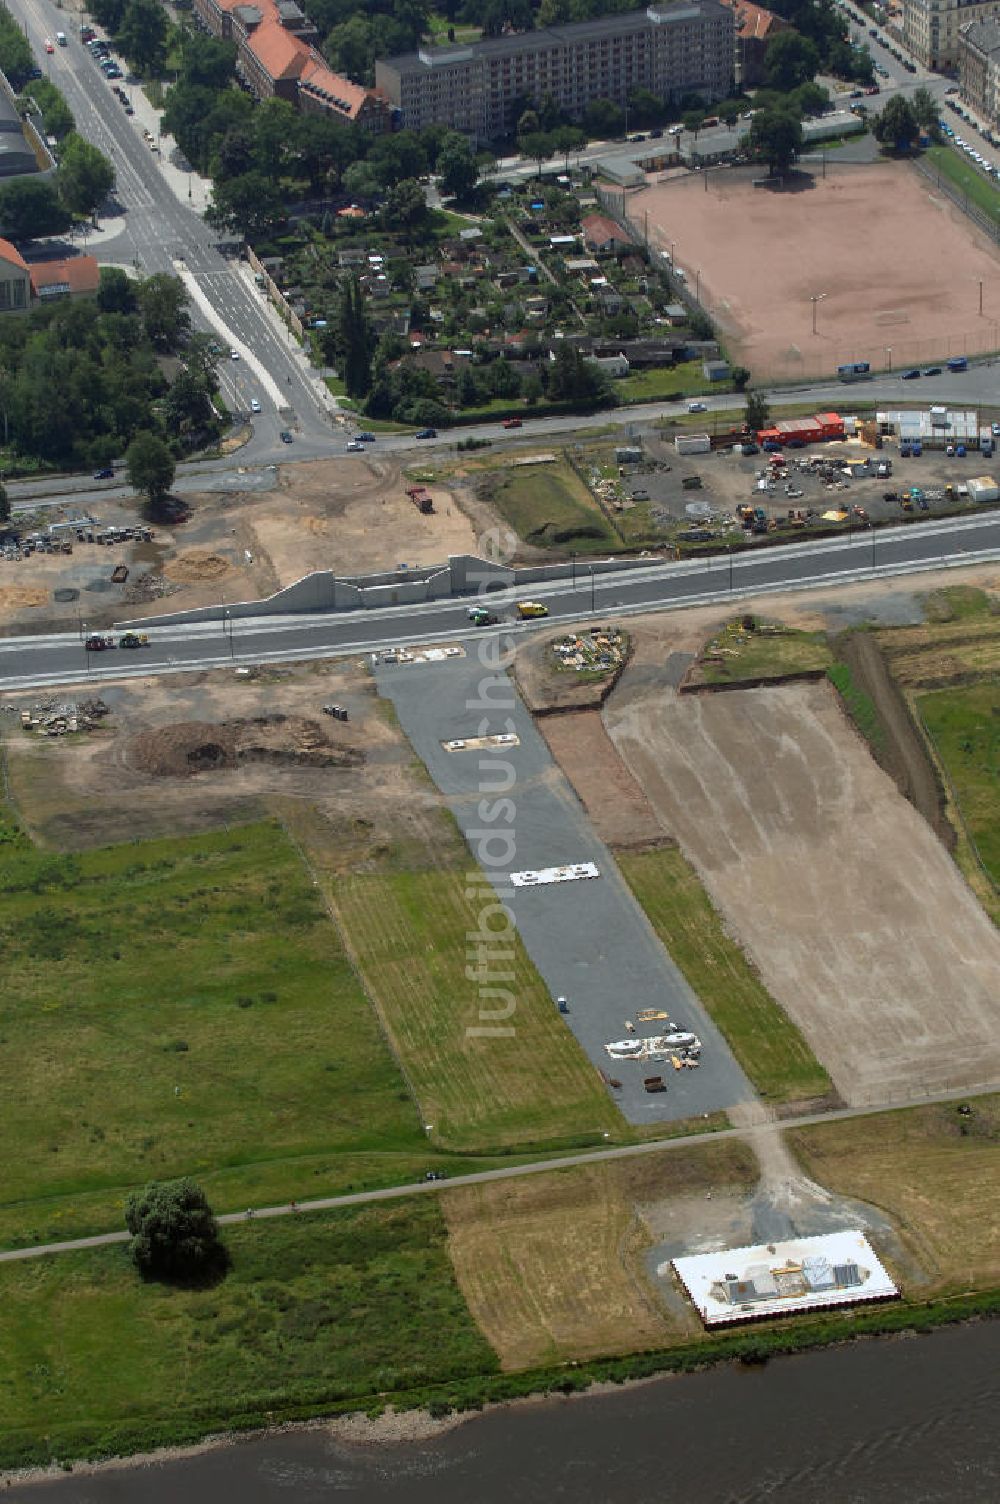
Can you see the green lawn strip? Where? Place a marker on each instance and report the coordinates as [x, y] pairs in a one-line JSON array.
[[966, 178], [764, 1040], [408, 932], [183, 1006], [859, 705], [663, 382], [964, 725], [548, 505], [767, 652], [316, 1309]]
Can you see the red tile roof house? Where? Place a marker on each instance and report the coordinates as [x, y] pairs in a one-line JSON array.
[[603, 236], [277, 58], [76, 277], [755, 27]]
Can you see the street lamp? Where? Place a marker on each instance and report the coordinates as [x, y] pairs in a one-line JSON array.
[[814, 298], [888, 357], [593, 605], [697, 285]]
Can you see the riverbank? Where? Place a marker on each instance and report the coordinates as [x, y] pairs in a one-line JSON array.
[[878, 1422]]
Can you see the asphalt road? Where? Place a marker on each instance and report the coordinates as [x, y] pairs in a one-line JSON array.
[[160, 232], [28, 662], [589, 940]]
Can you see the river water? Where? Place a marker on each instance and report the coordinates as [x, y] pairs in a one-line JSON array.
[[880, 1422]]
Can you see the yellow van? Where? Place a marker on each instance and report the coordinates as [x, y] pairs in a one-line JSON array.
[[528, 609]]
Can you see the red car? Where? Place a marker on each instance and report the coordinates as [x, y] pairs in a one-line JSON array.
[[512, 423]]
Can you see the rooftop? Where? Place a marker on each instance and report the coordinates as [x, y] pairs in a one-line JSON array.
[[73, 274], [568, 35]]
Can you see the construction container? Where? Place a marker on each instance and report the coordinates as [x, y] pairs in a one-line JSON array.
[[693, 443], [984, 488]]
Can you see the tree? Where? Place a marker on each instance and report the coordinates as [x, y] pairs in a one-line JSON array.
[[30, 207], [57, 117], [186, 404], [4, 504], [354, 339], [361, 180], [142, 36], [896, 125], [116, 293], [405, 207], [150, 466], [250, 205], [810, 99], [538, 147], [790, 60], [456, 165], [163, 305], [925, 109], [566, 139], [741, 376], [692, 119], [757, 414], [174, 1234], [84, 176], [603, 118], [775, 137], [528, 124], [645, 108]]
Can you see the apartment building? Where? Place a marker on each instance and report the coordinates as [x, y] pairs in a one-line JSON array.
[[670, 49], [979, 69], [755, 28], [932, 29], [276, 57]]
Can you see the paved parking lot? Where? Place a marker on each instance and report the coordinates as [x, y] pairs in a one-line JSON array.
[[589, 940]]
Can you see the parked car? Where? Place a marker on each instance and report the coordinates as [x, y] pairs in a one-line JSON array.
[[366, 438], [427, 433], [697, 407], [286, 436], [234, 354], [105, 473], [355, 447], [49, 45], [512, 423], [254, 405], [913, 375]]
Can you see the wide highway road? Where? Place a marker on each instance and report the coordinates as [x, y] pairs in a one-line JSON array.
[[37, 662]]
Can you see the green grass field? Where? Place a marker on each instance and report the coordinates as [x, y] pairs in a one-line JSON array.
[[180, 1007], [548, 505], [408, 932], [768, 652], [315, 1310], [663, 382], [858, 703], [764, 1040], [964, 724], [965, 178]]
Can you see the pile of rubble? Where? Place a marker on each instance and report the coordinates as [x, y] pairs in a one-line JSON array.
[[58, 718], [600, 650]]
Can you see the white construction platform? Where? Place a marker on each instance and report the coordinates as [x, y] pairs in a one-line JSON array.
[[574, 873], [778, 1279]]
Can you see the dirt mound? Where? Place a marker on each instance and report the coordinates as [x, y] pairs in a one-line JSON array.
[[16, 597], [196, 566], [207, 747]]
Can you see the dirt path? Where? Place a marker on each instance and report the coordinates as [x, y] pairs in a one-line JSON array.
[[904, 757]]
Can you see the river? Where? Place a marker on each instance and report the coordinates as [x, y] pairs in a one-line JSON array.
[[881, 1422]]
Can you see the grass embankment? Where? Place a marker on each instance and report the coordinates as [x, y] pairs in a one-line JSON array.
[[964, 726], [965, 178], [936, 1172], [183, 1007], [552, 1265], [949, 671], [549, 505], [764, 1040], [768, 650], [859, 704], [316, 1310]]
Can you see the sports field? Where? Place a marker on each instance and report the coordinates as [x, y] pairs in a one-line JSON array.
[[894, 267]]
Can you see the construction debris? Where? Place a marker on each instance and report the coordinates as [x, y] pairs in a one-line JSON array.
[[58, 718], [601, 650]]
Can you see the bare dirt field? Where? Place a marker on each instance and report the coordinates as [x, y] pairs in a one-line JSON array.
[[349, 515], [859, 923], [870, 240], [189, 751], [618, 809]]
